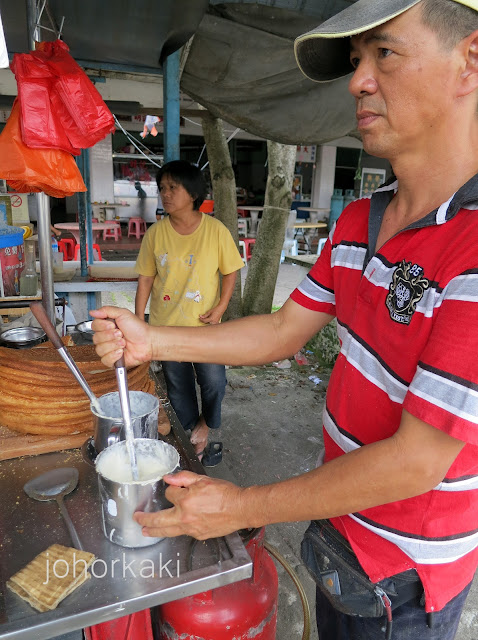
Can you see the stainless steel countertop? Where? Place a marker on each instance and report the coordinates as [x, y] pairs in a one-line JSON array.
[[134, 579]]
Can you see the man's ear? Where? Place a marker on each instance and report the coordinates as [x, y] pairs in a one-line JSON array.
[[469, 75]]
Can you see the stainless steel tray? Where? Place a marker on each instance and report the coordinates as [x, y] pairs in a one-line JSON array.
[[134, 579]]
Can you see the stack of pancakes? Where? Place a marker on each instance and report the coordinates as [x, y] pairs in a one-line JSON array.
[[40, 395]]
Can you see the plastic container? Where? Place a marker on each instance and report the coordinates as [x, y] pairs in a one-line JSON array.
[[11, 260], [29, 276], [336, 206]]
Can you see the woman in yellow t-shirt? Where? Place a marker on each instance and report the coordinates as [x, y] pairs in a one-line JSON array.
[[179, 264]]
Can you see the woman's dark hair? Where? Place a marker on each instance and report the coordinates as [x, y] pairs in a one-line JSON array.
[[187, 175]]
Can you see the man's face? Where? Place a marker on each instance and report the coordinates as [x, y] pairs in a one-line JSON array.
[[404, 86]]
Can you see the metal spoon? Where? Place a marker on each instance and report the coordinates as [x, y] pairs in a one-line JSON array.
[[122, 379], [54, 485], [41, 315]]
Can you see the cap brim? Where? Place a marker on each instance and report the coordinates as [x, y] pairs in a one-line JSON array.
[[324, 53]]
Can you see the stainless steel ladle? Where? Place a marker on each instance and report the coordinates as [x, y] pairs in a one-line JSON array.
[[54, 485]]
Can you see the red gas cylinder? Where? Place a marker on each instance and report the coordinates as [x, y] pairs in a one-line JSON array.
[[243, 610]]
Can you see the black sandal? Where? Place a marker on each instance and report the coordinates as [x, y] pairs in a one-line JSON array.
[[212, 454]]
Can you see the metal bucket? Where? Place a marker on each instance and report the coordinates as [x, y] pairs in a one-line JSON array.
[[108, 421], [121, 496]]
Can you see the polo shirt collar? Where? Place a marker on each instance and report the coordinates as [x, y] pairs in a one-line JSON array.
[[465, 197]]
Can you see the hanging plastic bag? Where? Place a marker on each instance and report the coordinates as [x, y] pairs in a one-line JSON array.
[[40, 120], [50, 170], [85, 117], [75, 105]]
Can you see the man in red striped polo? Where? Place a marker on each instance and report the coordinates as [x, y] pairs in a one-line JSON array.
[[399, 478]]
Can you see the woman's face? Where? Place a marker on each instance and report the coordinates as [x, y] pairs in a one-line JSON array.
[[174, 196]]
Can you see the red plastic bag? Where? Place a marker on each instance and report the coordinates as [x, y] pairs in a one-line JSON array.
[[75, 106], [40, 122], [53, 171]]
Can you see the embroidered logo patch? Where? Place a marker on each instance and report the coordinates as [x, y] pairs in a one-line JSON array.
[[405, 292]]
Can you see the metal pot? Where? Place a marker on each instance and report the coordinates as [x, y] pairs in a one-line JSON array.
[[121, 496], [108, 420], [22, 337]]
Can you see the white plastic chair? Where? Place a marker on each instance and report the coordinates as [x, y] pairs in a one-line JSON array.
[[290, 243], [242, 226], [242, 246], [321, 245]]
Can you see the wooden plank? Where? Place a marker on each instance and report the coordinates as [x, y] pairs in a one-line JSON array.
[[14, 445]]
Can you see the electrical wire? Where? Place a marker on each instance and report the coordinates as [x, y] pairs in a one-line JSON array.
[[230, 138], [133, 142], [295, 579]]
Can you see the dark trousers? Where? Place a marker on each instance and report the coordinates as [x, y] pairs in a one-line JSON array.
[[181, 387], [409, 621]]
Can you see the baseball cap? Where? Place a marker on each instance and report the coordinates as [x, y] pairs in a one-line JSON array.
[[323, 54]]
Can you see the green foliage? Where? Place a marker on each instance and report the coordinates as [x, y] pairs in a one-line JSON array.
[[326, 345]]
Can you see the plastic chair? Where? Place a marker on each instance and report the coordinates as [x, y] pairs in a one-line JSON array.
[[64, 249], [242, 226], [321, 245], [70, 247], [290, 247], [242, 249], [207, 206], [113, 232], [96, 252], [136, 227], [248, 245]]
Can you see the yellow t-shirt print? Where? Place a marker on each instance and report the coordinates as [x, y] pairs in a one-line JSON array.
[[186, 269]]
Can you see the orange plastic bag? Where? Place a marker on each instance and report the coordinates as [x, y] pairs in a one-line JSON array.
[[50, 170]]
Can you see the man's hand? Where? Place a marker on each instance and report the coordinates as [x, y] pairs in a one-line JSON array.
[[213, 316], [130, 336], [203, 508]]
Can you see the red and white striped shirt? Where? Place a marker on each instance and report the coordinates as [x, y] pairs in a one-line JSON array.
[[407, 319]]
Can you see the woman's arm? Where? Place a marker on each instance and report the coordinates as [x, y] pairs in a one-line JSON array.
[[145, 284], [214, 315]]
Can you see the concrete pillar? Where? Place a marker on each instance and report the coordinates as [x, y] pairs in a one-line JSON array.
[[324, 176]]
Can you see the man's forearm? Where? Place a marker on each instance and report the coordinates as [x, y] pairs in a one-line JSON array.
[[411, 462], [250, 340], [373, 475]]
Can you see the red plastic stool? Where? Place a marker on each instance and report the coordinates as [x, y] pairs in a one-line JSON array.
[[96, 252], [63, 248], [249, 242], [139, 227], [70, 247], [136, 626], [113, 232]]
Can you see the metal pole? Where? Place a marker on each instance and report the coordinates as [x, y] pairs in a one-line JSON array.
[[42, 200], [171, 106], [45, 254], [32, 29], [81, 200]]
